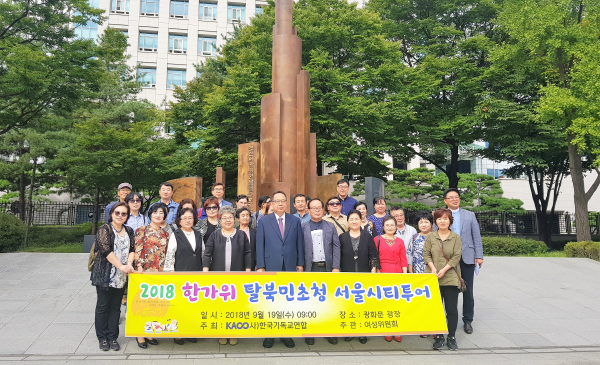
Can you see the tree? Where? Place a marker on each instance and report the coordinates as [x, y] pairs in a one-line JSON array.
[[352, 67], [43, 66], [561, 39], [115, 135], [447, 42]]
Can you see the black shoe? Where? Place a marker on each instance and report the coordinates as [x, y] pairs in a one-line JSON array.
[[193, 340], [348, 339], [268, 343], [362, 340], [451, 343], [142, 345], [310, 341], [332, 340], [153, 341], [104, 346], [114, 345], [288, 342], [468, 328], [439, 342], [179, 341]]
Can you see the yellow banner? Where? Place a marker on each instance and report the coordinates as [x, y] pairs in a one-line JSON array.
[[283, 304]]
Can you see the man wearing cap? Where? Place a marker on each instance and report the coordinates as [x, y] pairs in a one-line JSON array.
[[122, 191]]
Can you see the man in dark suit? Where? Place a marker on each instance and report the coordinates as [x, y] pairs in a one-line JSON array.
[[466, 226], [322, 250], [279, 245]]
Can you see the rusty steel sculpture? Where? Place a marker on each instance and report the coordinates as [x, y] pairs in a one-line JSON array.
[[286, 158]]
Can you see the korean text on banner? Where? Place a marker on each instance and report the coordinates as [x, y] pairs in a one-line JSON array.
[[237, 305]]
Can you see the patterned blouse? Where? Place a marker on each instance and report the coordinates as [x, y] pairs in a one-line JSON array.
[[416, 252], [150, 248], [378, 222]]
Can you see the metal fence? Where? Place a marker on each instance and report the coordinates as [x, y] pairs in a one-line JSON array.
[[523, 223], [67, 214], [56, 214]]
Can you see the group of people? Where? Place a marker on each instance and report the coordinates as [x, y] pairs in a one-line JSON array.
[[332, 236]]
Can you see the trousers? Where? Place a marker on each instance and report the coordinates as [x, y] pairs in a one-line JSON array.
[[468, 274], [450, 298], [108, 311]]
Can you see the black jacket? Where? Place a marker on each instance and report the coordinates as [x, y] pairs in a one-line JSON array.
[[187, 259], [368, 257], [253, 247], [214, 252]]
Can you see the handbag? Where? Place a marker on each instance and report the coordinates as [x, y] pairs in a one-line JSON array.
[[463, 285], [92, 257]]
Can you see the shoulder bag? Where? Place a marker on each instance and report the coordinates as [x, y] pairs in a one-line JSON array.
[[463, 285], [92, 257]]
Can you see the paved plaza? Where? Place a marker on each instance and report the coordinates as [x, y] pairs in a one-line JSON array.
[[529, 310]]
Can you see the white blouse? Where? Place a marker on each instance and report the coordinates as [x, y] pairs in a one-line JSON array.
[[172, 249]]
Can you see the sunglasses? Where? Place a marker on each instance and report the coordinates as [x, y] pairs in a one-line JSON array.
[[120, 214], [135, 201], [212, 207], [332, 204]]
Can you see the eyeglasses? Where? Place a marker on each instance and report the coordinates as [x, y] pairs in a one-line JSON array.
[[452, 198], [212, 207], [333, 204], [278, 201], [316, 209], [227, 219], [343, 187], [187, 219], [135, 201], [120, 214], [398, 216]]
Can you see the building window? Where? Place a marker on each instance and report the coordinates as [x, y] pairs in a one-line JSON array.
[[208, 11], [177, 43], [95, 4], [88, 30], [125, 33], [207, 46], [236, 14], [496, 173], [148, 42], [259, 10], [150, 7], [147, 77], [175, 78], [179, 9], [119, 6]]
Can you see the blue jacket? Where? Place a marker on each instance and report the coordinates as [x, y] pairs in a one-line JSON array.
[[470, 235], [272, 250]]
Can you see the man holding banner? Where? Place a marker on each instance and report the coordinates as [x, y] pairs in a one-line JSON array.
[[279, 246], [321, 248]]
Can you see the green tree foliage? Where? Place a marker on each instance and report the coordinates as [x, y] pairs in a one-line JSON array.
[[116, 136], [43, 67], [557, 41], [447, 42], [353, 69], [421, 189]]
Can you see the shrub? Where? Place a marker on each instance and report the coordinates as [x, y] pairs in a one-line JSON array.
[[12, 232], [587, 249], [40, 236], [512, 246]]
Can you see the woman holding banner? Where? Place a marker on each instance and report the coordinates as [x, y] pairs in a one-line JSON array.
[[392, 254], [442, 252], [227, 249], [359, 253], [185, 248], [150, 250]]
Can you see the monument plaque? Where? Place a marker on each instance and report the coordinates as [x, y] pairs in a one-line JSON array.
[[187, 187], [249, 173]]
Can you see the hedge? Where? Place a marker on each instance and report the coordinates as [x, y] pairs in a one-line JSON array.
[[12, 232], [512, 246], [587, 249]]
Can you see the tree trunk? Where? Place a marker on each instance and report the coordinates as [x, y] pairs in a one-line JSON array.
[[96, 211], [30, 204], [582, 222], [22, 188], [452, 173]]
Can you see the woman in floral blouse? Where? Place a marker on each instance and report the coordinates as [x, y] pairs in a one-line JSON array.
[[150, 250]]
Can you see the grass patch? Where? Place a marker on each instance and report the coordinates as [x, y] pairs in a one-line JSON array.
[[56, 248], [546, 254]]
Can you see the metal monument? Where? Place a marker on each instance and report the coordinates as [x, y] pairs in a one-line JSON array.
[[285, 158]]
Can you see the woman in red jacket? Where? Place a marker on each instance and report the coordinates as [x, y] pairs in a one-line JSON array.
[[392, 254]]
